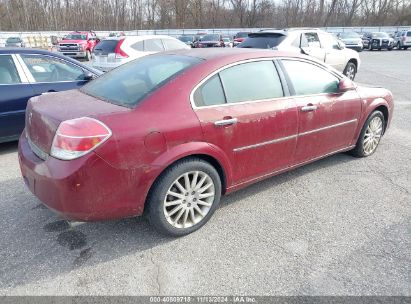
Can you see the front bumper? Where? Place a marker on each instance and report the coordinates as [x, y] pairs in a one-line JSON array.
[[84, 189], [74, 54]]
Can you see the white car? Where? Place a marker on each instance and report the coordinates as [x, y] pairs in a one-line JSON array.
[[310, 41], [115, 51]]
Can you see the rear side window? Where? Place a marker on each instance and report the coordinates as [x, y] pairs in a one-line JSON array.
[[251, 81], [128, 84], [153, 45], [106, 46], [174, 45], [138, 46], [8, 71], [262, 41], [408, 34], [210, 93], [309, 79]]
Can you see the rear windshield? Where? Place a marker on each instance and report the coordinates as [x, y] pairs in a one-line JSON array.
[[106, 46], [130, 83], [76, 37], [186, 38], [13, 40], [262, 41]]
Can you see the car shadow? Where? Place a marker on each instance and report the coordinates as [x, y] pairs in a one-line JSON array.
[[36, 244], [8, 147]]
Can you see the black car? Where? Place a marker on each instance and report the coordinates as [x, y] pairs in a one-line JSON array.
[[378, 41], [25, 73], [187, 39], [210, 40]]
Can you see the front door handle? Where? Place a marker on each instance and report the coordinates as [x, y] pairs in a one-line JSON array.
[[309, 108], [226, 122]]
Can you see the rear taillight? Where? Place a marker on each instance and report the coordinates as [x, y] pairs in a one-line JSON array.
[[77, 137], [119, 52]]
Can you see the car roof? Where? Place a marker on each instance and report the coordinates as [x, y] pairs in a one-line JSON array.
[[233, 54], [139, 38]]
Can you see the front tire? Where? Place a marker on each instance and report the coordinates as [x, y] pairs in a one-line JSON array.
[[184, 197], [370, 135], [350, 70]]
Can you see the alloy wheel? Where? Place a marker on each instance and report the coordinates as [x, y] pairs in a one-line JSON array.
[[372, 135], [350, 72], [189, 199]]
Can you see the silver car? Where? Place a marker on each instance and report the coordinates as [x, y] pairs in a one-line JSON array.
[[403, 40], [15, 42], [310, 41], [352, 40]]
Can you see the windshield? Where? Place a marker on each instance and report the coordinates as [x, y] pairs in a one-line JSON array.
[[211, 38], [76, 37], [349, 35], [132, 82], [380, 35], [186, 38], [13, 40]]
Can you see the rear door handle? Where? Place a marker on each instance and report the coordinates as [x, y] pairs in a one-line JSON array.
[[309, 108], [226, 122]]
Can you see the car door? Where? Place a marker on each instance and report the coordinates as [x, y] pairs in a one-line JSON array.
[[51, 74], [243, 111], [334, 55], [327, 119], [313, 46], [15, 92]]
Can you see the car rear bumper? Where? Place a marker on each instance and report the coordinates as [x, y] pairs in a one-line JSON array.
[[85, 189]]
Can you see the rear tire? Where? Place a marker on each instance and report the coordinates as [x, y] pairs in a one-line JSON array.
[[370, 135], [189, 206]]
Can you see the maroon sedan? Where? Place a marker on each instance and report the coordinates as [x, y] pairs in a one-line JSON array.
[[168, 134]]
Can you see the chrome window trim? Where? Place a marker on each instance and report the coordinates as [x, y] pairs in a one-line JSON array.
[[33, 81], [318, 64], [281, 139]]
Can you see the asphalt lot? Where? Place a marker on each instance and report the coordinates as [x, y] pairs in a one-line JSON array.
[[340, 226]]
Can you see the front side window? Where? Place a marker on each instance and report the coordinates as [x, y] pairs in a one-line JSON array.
[[251, 81], [128, 84], [329, 42], [8, 71], [309, 79], [153, 45], [49, 69]]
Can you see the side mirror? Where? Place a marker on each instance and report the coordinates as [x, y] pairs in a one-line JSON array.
[[345, 85], [88, 76], [341, 45]]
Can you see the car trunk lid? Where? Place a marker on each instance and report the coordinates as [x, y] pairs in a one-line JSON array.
[[45, 113]]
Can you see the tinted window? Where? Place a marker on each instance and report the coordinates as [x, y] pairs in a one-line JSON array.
[[312, 39], [8, 71], [171, 44], [138, 46], [50, 69], [310, 79], [262, 41], [13, 40], [251, 81], [153, 45], [408, 34], [210, 93], [106, 46], [132, 82]]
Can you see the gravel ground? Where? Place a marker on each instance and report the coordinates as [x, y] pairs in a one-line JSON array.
[[340, 226]]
